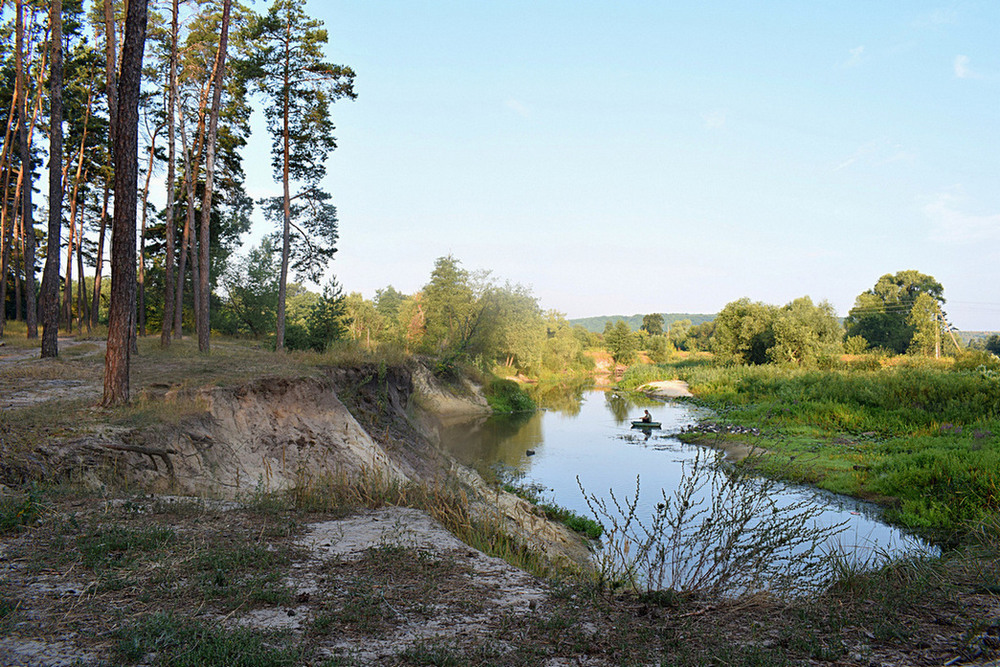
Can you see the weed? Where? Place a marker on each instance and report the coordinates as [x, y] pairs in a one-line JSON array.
[[117, 546], [508, 478], [720, 532], [16, 513], [181, 642]]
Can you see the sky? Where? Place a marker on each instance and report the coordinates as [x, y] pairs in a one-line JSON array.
[[637, 157]]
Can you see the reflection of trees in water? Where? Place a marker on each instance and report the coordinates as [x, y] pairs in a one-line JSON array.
[[482, 442], [623, 404], [565, 396]]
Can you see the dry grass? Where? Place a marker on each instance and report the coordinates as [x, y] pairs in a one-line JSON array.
[[127, 577]]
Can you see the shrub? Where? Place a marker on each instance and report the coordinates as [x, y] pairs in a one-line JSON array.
[[507, 396]]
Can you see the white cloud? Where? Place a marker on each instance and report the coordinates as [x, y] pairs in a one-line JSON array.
[[855, 58], [877, 152], [517, 107], [953, 225], [714, 119], [935, 18], [962, 69]]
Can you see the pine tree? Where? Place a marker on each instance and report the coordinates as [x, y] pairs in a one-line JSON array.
[[298, 86]]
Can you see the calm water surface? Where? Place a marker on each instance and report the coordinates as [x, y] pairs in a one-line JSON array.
[[591, 439]]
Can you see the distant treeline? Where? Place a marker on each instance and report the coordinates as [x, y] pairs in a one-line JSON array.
[[597, 324]]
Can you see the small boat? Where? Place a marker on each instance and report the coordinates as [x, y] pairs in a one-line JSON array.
[[638, 423]]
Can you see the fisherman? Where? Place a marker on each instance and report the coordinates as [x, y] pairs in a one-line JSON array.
[[647, 418]]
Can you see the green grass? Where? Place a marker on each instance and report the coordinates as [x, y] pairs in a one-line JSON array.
[[19, 511], [921, 437], [581, 524], [183, 642], [506, 396], [118, 546]]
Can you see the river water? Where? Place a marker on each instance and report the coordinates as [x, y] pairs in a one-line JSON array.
[[587, 441]]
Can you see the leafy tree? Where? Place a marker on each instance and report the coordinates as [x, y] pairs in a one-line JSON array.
[[744, 332], [563, 349], [992, 344], [252, 291], [621, 342], [882, 315], [298, 86], [855, 345], [804, 332], [448, 302], [653, 324], [659, 348], [699, 337], [366, 323], [929, 335], [678, 333]]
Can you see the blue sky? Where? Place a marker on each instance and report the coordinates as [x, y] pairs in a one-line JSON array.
[[638, 157]]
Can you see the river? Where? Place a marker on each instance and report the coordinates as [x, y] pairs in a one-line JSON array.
[[587, 441]]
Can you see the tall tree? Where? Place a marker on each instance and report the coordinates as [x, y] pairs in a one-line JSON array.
[[206, 206], [168, 281], [126, 148], [882, 314], [50, 276], [26, 179], [652, 324], [299, 86]]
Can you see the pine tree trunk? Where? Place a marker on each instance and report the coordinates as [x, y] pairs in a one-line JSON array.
[[286, 198], [81, 292], [95, 307], [73, 207], [50, 277], [168, 288], [206, 206], [31, 316], [142, 236], [121, 318]]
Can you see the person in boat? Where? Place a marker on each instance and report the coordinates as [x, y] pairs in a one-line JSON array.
[[647, 418]]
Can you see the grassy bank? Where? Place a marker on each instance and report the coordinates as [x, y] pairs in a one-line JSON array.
[[922, 439]]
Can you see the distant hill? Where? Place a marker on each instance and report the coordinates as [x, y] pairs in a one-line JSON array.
[[596, 324]]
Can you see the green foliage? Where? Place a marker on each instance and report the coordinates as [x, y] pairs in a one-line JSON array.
[[326, 318], [659, 348], [921, 435], [621, 342], [744, 332], [855, 345], [251, 285], [508, 396], [799, 333], [992, 344], [510, 481], [17, 513], [968, 360], [652, 324], [886, 316], [804, 333], [563, 346], [634, 322], [116, 546]]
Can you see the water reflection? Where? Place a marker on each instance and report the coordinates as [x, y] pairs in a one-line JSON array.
[[593, 444], [564, 396], [627, 406]]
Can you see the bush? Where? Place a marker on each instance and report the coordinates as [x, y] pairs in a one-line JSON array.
[[970, 360], [507, 396]]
